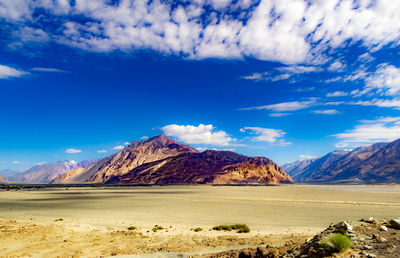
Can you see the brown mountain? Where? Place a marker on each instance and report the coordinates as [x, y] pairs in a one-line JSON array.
[[161, 160], [379, 162]]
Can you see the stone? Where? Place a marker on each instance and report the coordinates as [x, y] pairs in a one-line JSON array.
[[370, 220], [383, 228], [371, 255], [344, 227], [367, 247], [245, 254], [395, 223], [262, 251], [378, 238]]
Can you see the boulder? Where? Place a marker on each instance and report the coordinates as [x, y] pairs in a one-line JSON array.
[[395, 223], [343, 227]]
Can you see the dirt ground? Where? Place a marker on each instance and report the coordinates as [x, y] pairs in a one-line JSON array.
[[94, 221]]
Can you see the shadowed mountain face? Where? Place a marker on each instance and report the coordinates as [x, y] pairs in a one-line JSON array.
[[47, 172], [161, 160], [379, 162]]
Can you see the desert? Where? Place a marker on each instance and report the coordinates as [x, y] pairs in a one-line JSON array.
[[94, 221]]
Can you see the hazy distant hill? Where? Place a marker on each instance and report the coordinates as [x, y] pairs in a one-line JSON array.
[[47, 172], [378, 162], [161, 160], [7, 173], [3, 180]]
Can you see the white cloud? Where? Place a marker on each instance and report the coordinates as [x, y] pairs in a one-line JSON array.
[[72, 151], [337, 94], [388, 103], [305, 157], [385, 80], [9, 72], [201, 149], [282, 73], [336, 66], [298, 69], [143, 138], [383, 129], [16, 162], [285, 106], [266, 135], [127, 143], [119, 147], [201, 134], [326, 112], [288, 31], [366, 58], [47, 70], [102, 151]]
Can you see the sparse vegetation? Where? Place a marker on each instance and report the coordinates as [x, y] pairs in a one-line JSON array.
[[60, 219], [340, 242], [157, 228], [240, 228], [132, 228], [197, 229]]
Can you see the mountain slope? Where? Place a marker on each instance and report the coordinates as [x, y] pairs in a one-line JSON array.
[[47, 172], [378, 162], [215, 167], [135, 154], [161, 160]]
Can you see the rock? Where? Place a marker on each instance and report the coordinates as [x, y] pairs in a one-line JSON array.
[[344, 227], [245, 254], [370, 220], [383, 228], [378, 238], [395, 223], [371, 255], [262, 251], [367, 247]]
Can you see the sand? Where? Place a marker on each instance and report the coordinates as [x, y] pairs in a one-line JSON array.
[[95, 220]]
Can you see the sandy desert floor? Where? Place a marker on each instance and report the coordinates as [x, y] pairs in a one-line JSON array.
[[93, 221]]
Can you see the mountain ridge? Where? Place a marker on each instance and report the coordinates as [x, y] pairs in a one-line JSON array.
[[379, 162], [161, 160]]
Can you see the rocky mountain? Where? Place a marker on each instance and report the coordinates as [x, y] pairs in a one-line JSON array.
[[378, 162], [161, 160], [3, 180], [45, 173]]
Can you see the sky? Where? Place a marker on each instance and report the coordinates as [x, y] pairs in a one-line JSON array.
[[283, 79]]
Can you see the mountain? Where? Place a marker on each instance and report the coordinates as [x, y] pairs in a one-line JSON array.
[[378, 162], [3, 180], [296, 167], [45, 173], [161, 160], [7, 173]]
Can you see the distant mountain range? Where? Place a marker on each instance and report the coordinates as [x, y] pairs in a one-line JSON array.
[[3, 180], [47, 172], [161, 160], [379, 162]]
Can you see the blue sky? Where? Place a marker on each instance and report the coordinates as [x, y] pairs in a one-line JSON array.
[[283, 79]]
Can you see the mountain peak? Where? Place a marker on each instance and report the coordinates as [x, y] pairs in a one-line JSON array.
[[161, 139]]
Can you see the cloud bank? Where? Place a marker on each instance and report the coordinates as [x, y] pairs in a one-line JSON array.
[[287, 31]]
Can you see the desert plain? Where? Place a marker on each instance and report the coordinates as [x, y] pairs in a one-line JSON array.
[[94, 221]]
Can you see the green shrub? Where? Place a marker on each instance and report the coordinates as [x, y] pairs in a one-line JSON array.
[[240, 228], [157, 228], [132, 228], [197, 229], [340, 242], [60, 219]]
